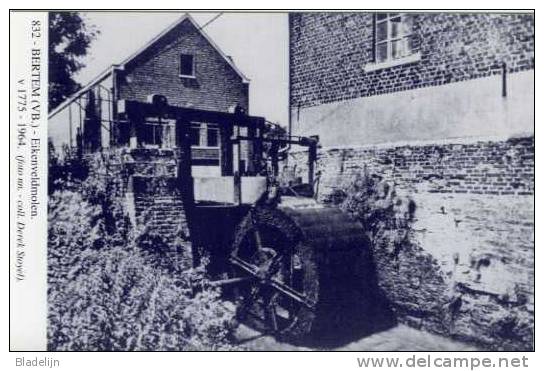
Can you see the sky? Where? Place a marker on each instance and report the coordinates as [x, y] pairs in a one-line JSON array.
[[257, 42]]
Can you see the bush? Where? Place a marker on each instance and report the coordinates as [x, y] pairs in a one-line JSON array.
[[386, 216], [106, 293], [65, 170]]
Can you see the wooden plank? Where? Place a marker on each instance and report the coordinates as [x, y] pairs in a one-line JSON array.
[[190, 114], [227, 155]]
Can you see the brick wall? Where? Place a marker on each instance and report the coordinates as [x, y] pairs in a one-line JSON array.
[[469, 272], [329, 51], [158, 203], [216, 85], [437, 128], [481, 167], [156, 199], [145, 181]]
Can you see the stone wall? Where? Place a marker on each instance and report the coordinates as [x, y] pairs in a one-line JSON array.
[[468, 271], [145, 181], [160, 212], [158, 204]]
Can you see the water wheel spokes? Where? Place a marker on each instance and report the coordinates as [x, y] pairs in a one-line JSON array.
[[301, 267], [272, 296], [273, 283]]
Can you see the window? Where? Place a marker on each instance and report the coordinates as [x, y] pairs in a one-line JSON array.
[[213, 136], [393, 37], [186, 65], [195, 135], [154, 133], [204, 135]]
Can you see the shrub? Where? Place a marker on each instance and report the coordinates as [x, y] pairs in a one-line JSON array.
[[106, 293], [386, 216], [65, 170]]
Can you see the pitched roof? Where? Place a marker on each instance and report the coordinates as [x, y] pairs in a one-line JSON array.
[[102, 76]]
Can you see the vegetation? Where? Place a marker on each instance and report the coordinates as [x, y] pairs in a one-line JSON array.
[[69, 40], [107, 293], [386, 216]]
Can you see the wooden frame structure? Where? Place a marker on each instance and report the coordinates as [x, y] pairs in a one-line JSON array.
[[135, 112]]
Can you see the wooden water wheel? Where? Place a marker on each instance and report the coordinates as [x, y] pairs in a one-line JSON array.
[[301, 261]]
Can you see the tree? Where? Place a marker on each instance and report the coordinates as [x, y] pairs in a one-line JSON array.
[[69, 40]]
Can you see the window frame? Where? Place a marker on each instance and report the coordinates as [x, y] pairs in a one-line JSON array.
[[390, 39], [215, 128], [412, 56], [193, 65], [205, 126], [197, 127]]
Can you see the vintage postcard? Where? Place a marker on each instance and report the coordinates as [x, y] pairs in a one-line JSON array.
[[272, 181]]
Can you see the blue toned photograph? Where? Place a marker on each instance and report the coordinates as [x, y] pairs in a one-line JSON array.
[[291, 181]]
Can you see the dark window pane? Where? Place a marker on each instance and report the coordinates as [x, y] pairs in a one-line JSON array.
[[396, 27], [145, 134], [213, 137], [381, 32], [380, 16], [407, 25], [397, 49], [195, 135], [186, 65], [408, 21], [381, 52]]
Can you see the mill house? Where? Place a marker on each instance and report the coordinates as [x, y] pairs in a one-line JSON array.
[[182, 67]]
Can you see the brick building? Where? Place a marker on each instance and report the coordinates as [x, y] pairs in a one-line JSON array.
[[454, 87], [183, 64], [441, 105], [138, 155], [386, 78]]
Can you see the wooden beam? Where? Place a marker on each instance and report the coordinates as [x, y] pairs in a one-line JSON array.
[[189, 114], [185, 184], [184, 172], [302, 141], [227, 154], [312, 158], [237, 188], [251, 134]]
